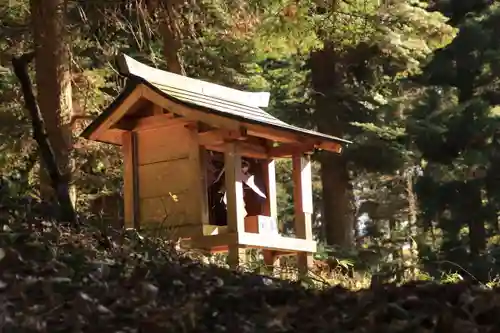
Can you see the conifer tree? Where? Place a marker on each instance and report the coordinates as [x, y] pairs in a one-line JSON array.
[[455, 127]]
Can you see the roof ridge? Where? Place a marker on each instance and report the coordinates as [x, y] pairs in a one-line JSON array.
[[128, 66]]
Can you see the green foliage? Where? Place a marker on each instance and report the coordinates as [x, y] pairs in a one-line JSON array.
[[453, 125]]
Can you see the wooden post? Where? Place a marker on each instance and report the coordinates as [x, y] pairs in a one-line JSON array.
[[302, 197], [270, 208], [269, 175], [198, 158], [130, 180], [272, 260], [234, 197]]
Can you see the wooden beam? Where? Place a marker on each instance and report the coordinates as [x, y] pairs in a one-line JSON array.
[[112, 136], [219, 136], [283, 136], [150, 123], [290, 149], [211, 138], [162, 121], [245, 149], [118, 114], [277, 243], [130, 178], [303, 204], [250, 154], [331, 147], [272, 134], [280, 244], [189, 113]]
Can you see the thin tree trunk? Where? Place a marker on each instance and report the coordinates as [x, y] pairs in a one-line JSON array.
[[169, 14], [53, 82], [58, 181], [172, 38], [477, 231], [412, 213]]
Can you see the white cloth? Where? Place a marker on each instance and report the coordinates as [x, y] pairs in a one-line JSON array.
[[249, 180]]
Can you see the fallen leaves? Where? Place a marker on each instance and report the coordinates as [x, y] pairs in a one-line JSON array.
[[58, 280]]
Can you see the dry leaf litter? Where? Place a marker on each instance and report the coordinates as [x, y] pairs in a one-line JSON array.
[[55, 279]]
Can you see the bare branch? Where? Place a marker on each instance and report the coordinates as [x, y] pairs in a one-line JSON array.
[[59, 181]]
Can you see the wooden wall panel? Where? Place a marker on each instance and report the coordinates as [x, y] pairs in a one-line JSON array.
[[170, 181], [160, 178], [163, 144], [168, 209], [171, 164], [170, 217]]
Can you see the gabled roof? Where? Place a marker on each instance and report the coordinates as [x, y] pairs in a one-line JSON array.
[[204, 96]]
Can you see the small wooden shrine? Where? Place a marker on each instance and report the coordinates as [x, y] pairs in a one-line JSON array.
[[199, 162]]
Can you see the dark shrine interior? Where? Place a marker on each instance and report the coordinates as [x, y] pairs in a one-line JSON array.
[[254, 204]]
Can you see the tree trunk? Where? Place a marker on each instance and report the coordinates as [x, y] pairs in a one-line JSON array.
[[472, 206], [58, 182], [412, 211], [169, 15], [338, 197], [53, 82], [338, 210], [170, 29]]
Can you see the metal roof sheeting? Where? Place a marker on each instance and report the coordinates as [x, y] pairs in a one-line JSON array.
[[236, 110], [208, 97]]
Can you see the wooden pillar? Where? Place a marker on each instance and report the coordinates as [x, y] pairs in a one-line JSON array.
[[270, 208], [234, 197], [302, 197], [269, 175], [272, 261], [199, 172], [130, 180]]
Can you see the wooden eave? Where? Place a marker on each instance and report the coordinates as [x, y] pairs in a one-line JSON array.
[[104, 128]]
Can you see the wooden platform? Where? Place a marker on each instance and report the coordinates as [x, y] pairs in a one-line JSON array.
[[222, 240]]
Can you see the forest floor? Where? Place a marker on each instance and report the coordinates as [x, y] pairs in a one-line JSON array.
[[57, 279]]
